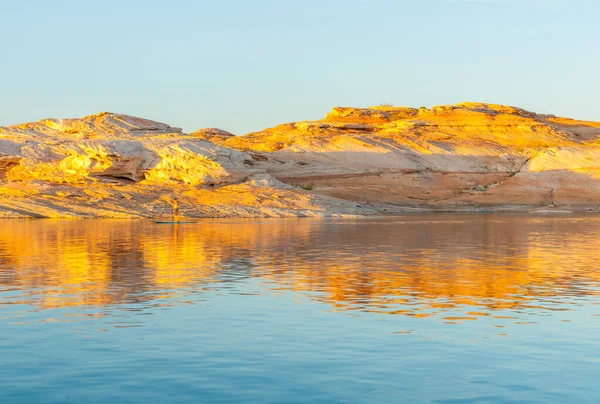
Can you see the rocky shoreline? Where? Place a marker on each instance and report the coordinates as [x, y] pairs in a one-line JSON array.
[[380, 160]]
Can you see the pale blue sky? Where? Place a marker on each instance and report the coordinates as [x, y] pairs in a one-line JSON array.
[[245, 65]]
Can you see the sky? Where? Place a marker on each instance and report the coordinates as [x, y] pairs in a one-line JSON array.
[[244, 65]]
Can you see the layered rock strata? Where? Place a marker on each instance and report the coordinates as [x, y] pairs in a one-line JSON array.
[[355, 161]]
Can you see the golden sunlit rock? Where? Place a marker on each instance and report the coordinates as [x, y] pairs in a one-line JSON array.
[[356, 161]]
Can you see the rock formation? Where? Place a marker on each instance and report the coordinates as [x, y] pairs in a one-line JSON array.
[[356, 161]]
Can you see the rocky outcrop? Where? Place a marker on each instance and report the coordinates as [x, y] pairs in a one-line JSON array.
[[458, 157], [113, 147], [211, 134], [356, 161], [112, 165]]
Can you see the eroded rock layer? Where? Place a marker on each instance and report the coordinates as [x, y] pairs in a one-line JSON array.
[[356, 161]]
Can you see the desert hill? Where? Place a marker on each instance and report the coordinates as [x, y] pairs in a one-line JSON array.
[[447, 157], [355, 161]]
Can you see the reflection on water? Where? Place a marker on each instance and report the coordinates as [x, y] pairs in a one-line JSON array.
[[453, 267], [427, 308]]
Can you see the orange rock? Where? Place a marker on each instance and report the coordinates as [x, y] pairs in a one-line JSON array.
[[355, 161]]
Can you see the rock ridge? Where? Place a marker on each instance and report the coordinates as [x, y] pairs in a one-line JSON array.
[[355, 161]]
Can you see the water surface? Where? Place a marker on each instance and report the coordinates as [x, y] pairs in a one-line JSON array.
[[426, 308]]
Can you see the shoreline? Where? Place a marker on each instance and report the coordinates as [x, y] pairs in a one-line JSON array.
[[400, 211]]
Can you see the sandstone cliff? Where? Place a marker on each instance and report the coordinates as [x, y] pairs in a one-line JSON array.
[[355, 161], [460, 157]]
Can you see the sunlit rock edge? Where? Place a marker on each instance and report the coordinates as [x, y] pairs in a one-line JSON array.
[[355, 161]]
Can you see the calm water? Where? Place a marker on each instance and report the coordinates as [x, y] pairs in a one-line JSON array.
[[433, 308]]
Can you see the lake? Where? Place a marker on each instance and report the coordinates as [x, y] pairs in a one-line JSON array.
[[440, 308]]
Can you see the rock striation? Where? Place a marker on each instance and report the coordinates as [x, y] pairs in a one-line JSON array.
[[469, 156], [355, 161]]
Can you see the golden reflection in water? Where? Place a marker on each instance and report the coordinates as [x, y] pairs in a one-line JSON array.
[[410, 266]]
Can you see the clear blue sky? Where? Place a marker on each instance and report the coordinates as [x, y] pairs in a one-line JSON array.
[[243, 65]]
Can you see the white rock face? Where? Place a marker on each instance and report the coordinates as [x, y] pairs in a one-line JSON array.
[[574, 159], [113, 146]]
